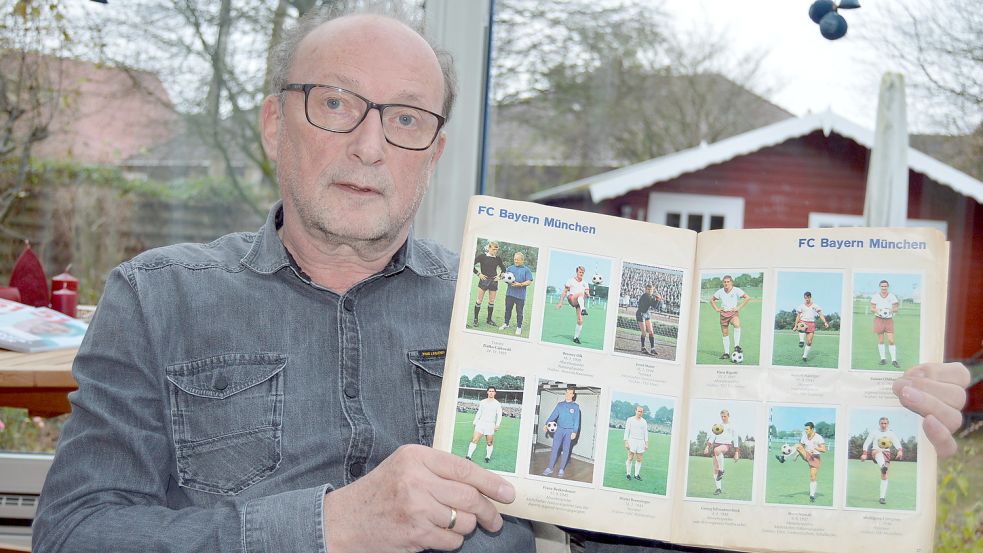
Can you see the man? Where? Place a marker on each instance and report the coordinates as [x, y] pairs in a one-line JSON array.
[[515, 295], [731, 300], [566, 414], [576, 291], [719, 445], [646, 303], [806, 313], [884, 305], [810, 447], [489, 268], [251, 395], [487, 421], [240, 396], [636, 441], [882, 455]]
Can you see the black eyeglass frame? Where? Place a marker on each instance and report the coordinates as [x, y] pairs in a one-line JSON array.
[[370, 105]]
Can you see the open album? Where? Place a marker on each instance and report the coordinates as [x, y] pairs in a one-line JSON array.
[[726, 389], [32, 329]]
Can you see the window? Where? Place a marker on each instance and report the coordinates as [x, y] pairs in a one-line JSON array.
[[697, 212]]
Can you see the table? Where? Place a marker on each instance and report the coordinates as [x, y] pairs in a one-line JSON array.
[[39, 382]]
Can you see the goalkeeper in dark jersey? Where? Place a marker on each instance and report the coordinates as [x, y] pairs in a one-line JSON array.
[[649, 301], [489, 266]]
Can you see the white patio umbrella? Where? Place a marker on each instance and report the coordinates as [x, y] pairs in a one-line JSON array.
[[886, 203]]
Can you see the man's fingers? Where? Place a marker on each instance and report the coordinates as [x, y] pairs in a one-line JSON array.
[[929, 397], [455, 468], [440, 515], [472, 507], [940, 436], [952, 373]]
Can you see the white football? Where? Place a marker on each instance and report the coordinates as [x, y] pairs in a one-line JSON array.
[[508, 277], [885, 313], [551, 426], [786, 449], [597, 279], [737, 357]]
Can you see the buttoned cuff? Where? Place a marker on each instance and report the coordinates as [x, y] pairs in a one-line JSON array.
[[289, 521]]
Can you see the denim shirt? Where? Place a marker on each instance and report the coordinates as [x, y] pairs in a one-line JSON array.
[[222, 394]]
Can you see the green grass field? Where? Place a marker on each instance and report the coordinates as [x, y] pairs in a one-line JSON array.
[[788, 482], [506, 442], [906, 335], [863, 480], [738, 478], [559, 324], [499, 314], [825, 350], [709, 344], [655, 464], [626, 340]]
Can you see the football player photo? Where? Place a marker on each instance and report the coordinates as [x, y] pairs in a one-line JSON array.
[[882, 470], [486, 426], [575, 312], [638, 442], [886, 321], [721, 449], [730, 318], [648, 311], [502, 269], [801, 461], [807, 319], [565, 431]]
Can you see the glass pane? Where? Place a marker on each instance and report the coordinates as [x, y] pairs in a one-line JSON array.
[[673, 219], [694, 221], [716, 222]]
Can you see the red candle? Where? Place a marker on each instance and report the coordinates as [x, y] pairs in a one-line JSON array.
[[65, 300], [10, 293], [58, 280]]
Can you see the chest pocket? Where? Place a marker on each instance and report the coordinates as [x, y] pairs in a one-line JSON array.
[[428, 375], [226, 415]]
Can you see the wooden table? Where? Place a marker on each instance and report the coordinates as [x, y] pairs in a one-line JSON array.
[[39, 382]]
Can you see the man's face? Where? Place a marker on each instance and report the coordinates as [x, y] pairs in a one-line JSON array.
[[725, 416], [728, 284], [884, 289], [580, 273], [648, 290], [493, 250], [354, 187], [810, 431], [808, 300], [884, 424], [568, 395], [518, 259], [491, 393], [638, 412]]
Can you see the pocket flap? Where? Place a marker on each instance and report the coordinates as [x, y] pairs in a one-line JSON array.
[[430, 361], [224, 375]]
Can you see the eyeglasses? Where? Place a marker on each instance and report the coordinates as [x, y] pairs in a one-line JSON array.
[[338, 110]]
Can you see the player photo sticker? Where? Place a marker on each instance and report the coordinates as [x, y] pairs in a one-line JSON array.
[[730, 318], [577, 287], [886, 321], [503, 285], [648, 311], [565, 433], [486, 427], [801, 456], [882, 465], [808, 309], [721, 450], [639, 436]]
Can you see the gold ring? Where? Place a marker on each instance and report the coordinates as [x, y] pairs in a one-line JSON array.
[[450, 525]]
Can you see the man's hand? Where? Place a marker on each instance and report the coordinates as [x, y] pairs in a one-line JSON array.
[[863, 456], [900, 455], [573, 435], [482, 276], [406, 503], [706, 450], [626, 445], [937, 392]]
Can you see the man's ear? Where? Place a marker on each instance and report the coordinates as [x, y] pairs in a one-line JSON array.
[[439, 150], [270, 119]]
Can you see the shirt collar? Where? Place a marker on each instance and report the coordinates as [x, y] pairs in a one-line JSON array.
[[268, 254]]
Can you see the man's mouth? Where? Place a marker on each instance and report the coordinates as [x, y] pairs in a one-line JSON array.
[[352, 187]]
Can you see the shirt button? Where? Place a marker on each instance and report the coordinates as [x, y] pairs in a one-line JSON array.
[[351, 391], [356, 469], [221, 382], [349, 304]]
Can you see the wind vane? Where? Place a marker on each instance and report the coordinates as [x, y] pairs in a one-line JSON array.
[[832, 25]]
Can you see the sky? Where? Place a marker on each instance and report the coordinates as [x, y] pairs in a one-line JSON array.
[[902, 285], [808, 72], [563, 266], [826, 288], [704, 413], [793, 418]]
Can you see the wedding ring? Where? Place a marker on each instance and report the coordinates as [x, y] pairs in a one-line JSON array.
[[450, 525]]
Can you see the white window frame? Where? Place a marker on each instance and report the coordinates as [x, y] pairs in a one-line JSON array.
[[663, 203], [833, 220]]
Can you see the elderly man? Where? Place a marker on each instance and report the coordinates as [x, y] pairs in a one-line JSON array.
[[256, 393]]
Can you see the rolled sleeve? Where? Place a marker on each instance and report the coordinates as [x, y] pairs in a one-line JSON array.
[[290, 521]]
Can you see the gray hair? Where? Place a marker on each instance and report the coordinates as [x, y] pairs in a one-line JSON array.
[[286, 50]]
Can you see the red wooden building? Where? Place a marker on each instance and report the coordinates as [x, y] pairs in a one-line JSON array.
[[809, 171]]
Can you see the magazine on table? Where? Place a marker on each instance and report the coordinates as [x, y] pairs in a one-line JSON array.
[[33, 329], [729, 389]]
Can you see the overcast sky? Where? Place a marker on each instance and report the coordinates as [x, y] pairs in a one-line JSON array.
[[807, 72]]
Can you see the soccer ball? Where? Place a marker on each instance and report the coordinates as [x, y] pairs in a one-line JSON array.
[[801, 327], [736, 357], [509, 278], [597, 279], [786, 449], [717, 429], [551, 427], [885, 313], [884, 442]]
